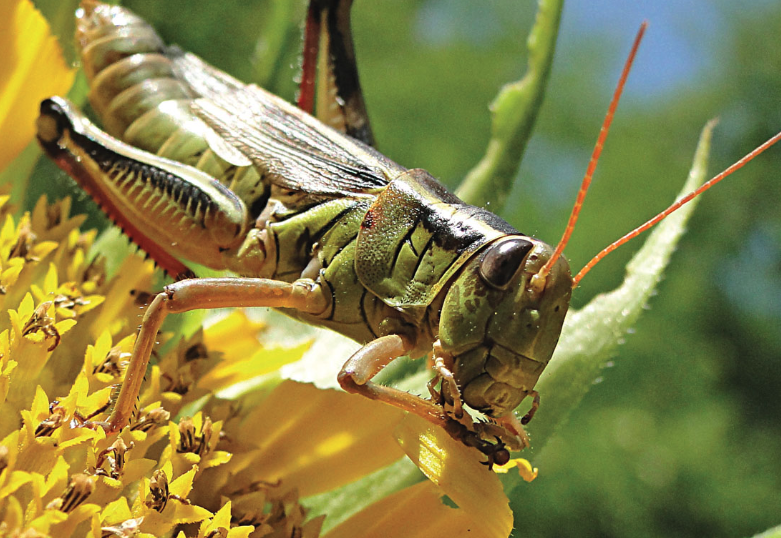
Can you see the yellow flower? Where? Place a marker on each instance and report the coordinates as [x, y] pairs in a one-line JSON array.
[[31, 69]]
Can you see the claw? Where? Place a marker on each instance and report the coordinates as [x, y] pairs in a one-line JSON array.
[[497, 453]]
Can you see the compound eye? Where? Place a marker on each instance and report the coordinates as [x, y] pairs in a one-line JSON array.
[[502, 261]]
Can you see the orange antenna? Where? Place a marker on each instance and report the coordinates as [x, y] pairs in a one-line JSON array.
[[592, 165], [677, 205]]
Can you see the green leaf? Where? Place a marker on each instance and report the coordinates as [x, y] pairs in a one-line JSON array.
[[592, 335], [342, 503], [515, 111], [775, 532]]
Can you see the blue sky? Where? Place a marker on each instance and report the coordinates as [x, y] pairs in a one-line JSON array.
[[684, 36], [678, 42], [683, 40]]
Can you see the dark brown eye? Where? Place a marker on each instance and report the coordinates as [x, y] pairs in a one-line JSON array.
[[502, 260]]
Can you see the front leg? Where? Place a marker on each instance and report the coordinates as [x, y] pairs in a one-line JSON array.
[[367, 362], [356, 375], [303, 295]]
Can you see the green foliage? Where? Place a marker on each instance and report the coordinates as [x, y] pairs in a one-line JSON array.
[[770, 533]]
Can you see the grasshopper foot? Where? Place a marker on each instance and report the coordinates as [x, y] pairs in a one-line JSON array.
[[497, 453]]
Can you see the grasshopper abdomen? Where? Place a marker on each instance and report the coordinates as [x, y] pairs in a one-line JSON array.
[[136, 89]]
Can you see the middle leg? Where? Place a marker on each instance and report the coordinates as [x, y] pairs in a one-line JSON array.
[[304, 295]]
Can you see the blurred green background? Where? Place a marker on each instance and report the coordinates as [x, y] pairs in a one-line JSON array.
[[681, 436]]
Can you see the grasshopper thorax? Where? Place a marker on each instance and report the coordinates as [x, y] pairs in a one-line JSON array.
[[498, 328]]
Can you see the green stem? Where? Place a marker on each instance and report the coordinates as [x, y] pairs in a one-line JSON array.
[[515, 111]]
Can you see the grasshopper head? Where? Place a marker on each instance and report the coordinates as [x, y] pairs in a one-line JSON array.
[[501, 326]]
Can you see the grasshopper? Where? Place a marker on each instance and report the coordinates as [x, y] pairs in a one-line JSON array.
[[195, 165]]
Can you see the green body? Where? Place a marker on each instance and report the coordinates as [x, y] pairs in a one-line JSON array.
[[271, 192]]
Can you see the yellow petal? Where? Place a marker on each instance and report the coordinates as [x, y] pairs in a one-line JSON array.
[[43, 248], [217, 458], [234, 373], [56, 481], [35, 506], [40, 407], [236, 330], [136, 469], [314, 440], [120, 307], [77, 395], [183, 484], [157, 524], [7, 236], [31, 69], [26, 308], [50, 281], [10, 275], [79, 514], [116, 512], [243, 531], [70, 437], [64, 325], [13, 516], [14, 482], [414, 512], [222, 520], [47, 520], [38, 456], [457, 470], [188, 513], [177, 510]]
